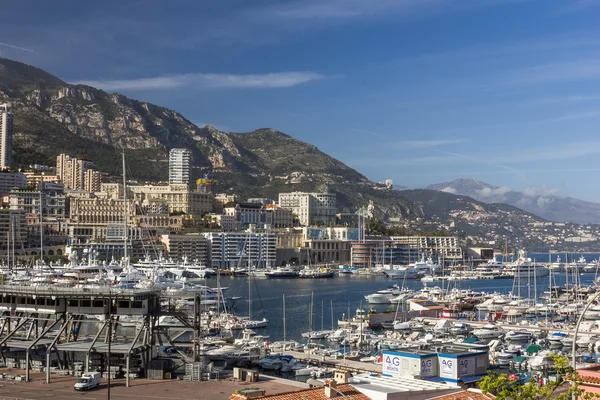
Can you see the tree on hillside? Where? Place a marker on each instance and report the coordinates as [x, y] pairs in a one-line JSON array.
[[566, 386]]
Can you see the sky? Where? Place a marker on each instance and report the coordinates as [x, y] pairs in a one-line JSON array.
[[417, 91]]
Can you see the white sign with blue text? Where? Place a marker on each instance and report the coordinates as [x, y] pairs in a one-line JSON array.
[[391, 364], [447, 367]]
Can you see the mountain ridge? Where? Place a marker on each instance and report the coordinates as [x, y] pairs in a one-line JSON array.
[[540, 202], [52, 117]]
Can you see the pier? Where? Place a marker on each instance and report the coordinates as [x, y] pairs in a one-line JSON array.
[[344, 364]]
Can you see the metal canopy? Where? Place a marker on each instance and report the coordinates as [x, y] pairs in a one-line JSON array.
[[77, 293], [115, 347], [25, 344]]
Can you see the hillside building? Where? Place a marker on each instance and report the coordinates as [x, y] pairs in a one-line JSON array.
[[232, 249], [310, 208], [193, 247], [179, 166], [10, 181], [179, 197], [6, 135], [77, 174]]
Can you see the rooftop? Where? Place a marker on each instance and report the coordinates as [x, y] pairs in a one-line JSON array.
[[349, 393], [65, 292], [393, 384], [466, 395]]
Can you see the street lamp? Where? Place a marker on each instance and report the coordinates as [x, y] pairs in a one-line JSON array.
[[588, 304]]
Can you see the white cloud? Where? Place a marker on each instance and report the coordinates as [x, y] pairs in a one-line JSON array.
[[12, 46], [493, 192], [543, 202], [201, 80], [311, 10], [449, 190], [536, 191]]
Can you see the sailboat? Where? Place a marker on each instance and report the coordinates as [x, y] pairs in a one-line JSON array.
[[311, 334], [130, 276], [250, 323]]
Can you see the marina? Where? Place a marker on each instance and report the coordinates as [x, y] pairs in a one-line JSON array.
[[162, 320]]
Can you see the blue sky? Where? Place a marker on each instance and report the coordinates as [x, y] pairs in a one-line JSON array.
[[419, 91]]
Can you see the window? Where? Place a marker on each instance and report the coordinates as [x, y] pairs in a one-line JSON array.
[[86, 303], [98, 303], [73, 303]]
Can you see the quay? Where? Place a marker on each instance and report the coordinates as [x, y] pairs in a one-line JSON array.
[[62, 388], [343, 364]]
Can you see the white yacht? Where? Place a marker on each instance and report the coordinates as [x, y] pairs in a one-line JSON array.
[[557, 266], [525, 267], [282, 272], [488, 331]]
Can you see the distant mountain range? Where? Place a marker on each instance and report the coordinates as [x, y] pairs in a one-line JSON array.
[[536, 201]]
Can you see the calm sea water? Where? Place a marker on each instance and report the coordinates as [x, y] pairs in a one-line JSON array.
[[570, 257], [342, 293]]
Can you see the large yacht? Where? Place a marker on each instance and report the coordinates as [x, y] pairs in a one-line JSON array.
[[525, 267]]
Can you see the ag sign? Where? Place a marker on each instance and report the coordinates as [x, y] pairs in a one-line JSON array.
[[391, 364], [447, 367], [467, 367], [427, 367]]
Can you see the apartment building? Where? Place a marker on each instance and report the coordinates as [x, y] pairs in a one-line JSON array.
[[232, 249], [6, 135], [195, 247], [179, 197], [310, 208]]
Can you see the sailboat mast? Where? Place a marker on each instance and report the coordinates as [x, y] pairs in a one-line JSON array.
[[41, 228], [125, 213], [310, 316], [322, 311], [331, 306], [249, 298], [284, 338]]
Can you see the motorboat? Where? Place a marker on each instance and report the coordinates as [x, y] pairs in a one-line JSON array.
[[317, 335], [507, 355], [488, 331], [254, 324], [282, 272], [379, 298], [518, 336], [556, 337]]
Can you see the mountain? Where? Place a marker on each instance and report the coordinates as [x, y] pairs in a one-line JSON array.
[[53, 116], [536, 201], [471, 218]]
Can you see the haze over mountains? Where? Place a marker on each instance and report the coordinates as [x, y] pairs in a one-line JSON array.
[[538, 201]]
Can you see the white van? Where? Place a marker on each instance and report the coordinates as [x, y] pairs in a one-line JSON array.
[[88, 381]]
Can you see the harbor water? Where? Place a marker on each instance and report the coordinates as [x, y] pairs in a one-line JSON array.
[[346, 293]]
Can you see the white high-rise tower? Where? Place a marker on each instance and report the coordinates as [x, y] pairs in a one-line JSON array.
[[6, 133], [179, 166]]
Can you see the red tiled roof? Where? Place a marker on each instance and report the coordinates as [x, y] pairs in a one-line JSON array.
[[465, 395], [349, 392], [590, 379]]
